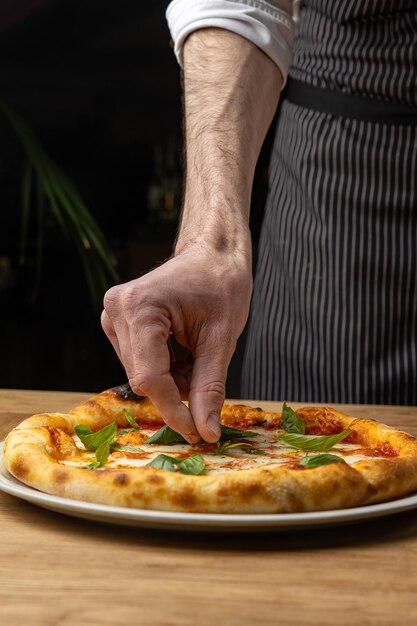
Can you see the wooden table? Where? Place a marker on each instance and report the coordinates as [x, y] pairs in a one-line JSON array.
[[60, 571]]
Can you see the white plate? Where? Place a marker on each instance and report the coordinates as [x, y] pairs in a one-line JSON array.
[[203, 522]]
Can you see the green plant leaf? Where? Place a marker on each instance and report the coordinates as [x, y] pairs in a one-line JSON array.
[[83, 430], [124, 431], [226, 445], [102, 452], [320, 459], [91, 440], [130, 419], [57, 193], [165, 435], [92, 466], [222, 447], [193, 465], [86, 436], [227, 432], [26, 194], [319, 443], [290, 422], [164, 462], [40, 201]]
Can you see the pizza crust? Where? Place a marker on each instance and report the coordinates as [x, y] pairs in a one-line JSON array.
[[34, 450]]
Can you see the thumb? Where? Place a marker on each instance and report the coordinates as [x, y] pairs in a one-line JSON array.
[[207, 391]]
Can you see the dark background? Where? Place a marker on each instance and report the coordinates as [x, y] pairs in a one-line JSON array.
[[99, 85]]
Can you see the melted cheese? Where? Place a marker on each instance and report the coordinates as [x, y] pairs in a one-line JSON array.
[[277, 453]]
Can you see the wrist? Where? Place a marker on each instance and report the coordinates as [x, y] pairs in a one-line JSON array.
[[218, 232], [228, 268]]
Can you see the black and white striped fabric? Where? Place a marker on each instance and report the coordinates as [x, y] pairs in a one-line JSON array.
[[334, 311], [358, 46]]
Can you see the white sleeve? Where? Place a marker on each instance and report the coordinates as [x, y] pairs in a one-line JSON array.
[[269, 25]]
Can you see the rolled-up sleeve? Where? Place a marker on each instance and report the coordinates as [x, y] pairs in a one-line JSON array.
[[269, 25]]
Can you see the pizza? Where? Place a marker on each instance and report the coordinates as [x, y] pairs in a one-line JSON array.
[[115, 449]]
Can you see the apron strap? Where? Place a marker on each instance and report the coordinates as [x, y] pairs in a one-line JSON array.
[[352, 106]]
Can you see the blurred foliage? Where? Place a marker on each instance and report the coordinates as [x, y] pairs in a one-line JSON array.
[[48, 192]]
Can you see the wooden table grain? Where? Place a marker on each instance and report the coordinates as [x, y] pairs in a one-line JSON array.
[[61, 571]]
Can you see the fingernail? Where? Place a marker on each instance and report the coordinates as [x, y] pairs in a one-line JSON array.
[[194, 438], [213, 424]]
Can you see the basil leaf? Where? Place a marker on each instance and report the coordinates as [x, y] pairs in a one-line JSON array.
[[290, 422], [124, 431], [92, 466], [99, 442], [102, 452], [86, 436], [165, 435], [193, 464], [107, 433], [118, 448], [320, 443], [91, 440], [130, 419], [222, 447], [255, 451], [227, 432], [163, 461], [320, 459], [80, 429]]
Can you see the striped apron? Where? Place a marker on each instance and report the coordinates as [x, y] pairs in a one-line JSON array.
[[334, 309]]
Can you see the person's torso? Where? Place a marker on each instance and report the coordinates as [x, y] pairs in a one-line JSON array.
[[364, 47]]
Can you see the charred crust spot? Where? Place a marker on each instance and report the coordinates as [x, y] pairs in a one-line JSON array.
[[370, 490], [224, 492], [155, 478], [121, 479], [186, 498], [19, 468], [125, 392], [60, 476], [249, 490], [245, 492]]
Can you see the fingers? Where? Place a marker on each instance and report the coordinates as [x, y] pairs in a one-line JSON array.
[[151, 375], [111, 333], [117, 331], [207, 392], [181, 372], [139, 332], [138, 325]]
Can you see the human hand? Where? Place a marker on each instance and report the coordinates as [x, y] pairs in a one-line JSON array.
[[202, 297]]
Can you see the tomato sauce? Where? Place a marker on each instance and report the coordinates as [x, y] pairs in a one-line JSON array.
[[327, 426], [386, 450]]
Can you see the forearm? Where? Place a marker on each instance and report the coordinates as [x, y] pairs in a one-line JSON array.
[[202, 293], [231, 90]]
